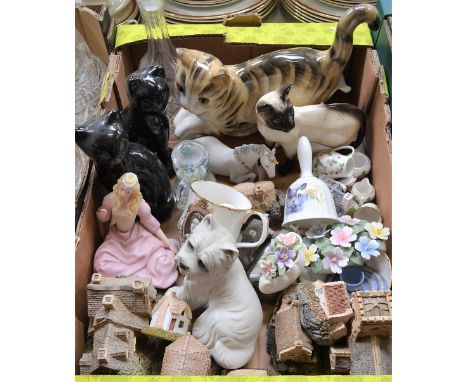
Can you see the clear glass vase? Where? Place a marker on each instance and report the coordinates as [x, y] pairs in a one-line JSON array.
[[160, 51]]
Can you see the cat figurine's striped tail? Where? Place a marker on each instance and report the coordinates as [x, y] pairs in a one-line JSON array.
[[220, 99]]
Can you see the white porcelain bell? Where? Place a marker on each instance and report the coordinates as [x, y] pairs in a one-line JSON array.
[[309, 202]]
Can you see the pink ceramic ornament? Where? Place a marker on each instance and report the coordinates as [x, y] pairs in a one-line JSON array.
[[133, 248]]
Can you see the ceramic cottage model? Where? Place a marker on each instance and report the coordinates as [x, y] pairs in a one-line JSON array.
[[170, 319], [136, 293], [220, 98], [113, 329], [241, 163], [326, 126], [373, 314], [105, 141], [186, 356], [215, 278], [146, 121], [133, 247], [322, 317]]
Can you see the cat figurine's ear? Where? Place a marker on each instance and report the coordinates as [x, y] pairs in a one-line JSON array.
[[184, 57], [284, 92], [156, 71], [222, 79]]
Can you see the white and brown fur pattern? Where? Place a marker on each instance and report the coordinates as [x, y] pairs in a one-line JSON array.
[[215, 278], [220, 99], [326, 126]]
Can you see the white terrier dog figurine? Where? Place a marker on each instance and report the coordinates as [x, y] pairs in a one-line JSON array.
[[214, 277]]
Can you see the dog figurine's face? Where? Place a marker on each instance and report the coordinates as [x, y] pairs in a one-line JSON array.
[[209, 250]]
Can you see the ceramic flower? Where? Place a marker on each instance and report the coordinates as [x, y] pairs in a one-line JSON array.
[[268, 269], [288, 239], [285, 256], [346, 219], [377, 230], [334, 260], [310, 255], [367, 247], [342, 236]]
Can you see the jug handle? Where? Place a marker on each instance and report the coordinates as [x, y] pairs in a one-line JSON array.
[[265, 224]]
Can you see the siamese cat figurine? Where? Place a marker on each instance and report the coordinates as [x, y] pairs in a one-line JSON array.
[[326, 126], [220, 99]]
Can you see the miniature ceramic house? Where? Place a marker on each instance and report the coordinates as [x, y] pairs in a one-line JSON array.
[[373, 314], [324, 310], [136, 293], [171, 318], [186, 356], [292, 344], [340, 360], [114, 340], [371, 356], [334, 301]]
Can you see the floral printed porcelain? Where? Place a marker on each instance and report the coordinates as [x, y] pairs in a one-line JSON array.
[[336, 164], [281, 263], [309, 201]]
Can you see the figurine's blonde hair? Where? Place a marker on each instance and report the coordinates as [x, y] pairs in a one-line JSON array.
[[135, 198]]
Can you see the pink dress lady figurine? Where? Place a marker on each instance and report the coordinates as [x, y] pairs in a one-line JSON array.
[[133, 248]]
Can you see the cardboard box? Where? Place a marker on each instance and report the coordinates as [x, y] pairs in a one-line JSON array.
[[361, 74]]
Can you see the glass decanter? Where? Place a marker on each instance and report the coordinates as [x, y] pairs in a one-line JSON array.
[[160, 51]]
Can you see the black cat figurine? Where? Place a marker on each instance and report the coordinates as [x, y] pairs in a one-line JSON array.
[[145, 120], [106, 142]]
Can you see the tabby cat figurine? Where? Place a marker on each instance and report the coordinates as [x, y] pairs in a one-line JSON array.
[[220, 99]]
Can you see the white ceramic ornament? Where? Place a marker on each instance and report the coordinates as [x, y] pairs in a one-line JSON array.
[[370, 212], [309, 201], [275, 284], [362, 164], [363, 191], [241, 163], [214, 278]]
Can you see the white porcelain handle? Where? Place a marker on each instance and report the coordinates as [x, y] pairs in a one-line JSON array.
[[304, 154], [265, 223], [345, 147]]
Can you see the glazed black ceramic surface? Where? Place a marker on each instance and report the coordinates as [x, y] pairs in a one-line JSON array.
[[106, 142], [145, 120]]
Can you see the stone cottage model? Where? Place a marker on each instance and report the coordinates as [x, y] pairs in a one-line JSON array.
[[292, 343], [373, 314], [136, 293], [114, 341], [186, 356], [324, 310], [171, 318]]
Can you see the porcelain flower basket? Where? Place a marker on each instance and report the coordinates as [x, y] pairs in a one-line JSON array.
[[286, 252]]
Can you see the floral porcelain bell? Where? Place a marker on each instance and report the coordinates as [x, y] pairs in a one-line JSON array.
[[309, 202]]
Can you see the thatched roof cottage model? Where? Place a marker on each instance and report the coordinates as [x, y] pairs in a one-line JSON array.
[[114, 340], [171, 318], [136, 293], [186, 356]]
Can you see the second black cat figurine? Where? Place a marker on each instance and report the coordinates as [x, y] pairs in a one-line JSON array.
[[145, 120], [106, 142]]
